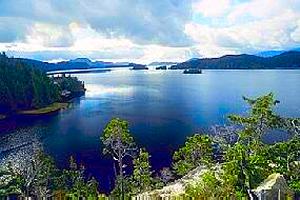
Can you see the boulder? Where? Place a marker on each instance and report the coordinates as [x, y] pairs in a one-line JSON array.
[[274, 187]]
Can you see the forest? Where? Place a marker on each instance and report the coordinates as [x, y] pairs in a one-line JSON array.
[[235, 157], [25, 87]]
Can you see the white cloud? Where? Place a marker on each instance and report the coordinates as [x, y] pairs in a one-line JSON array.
[[212, 8], [144, 22], [295, 35], [257, 9], [50, 35], [172, 30], [161, 53], [278, 32], [247, 27], [90, 40]]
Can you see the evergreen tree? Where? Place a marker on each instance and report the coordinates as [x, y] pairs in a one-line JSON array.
[[141, 178], [197, 151], [24, 87], [75, 182], [285, 159], [119, 143], [246, 165], [208, 187]]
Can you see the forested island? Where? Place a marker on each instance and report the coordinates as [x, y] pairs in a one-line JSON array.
[[162, 67], [138, 67], [28, 90], [232, 161]]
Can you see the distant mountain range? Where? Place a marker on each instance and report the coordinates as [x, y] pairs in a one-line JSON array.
[[285, 60], [265, 60], [78, 63], [273, 53], [161, 63], [266, 54]]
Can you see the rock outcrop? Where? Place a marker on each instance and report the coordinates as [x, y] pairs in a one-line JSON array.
[[274, 187], [175, 189]]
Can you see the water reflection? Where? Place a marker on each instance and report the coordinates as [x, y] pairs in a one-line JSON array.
[[94, 90]]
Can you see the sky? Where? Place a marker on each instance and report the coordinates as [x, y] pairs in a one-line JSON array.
[[146, 30]]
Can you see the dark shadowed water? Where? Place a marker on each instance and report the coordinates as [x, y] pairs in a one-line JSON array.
[[162, 107]]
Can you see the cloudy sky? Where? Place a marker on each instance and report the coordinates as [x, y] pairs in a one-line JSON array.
[[146, 30]]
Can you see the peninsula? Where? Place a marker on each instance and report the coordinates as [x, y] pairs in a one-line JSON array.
[[26, 90]]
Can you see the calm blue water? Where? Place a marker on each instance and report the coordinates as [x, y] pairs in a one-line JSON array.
[[163, 108]]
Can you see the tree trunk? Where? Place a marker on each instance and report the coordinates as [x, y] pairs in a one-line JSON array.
[[121, 178]]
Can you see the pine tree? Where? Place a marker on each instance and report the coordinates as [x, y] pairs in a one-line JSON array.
[[197, 151], [119, 143], [141, 178]]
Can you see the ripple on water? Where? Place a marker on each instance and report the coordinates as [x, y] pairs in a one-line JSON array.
[[18, 147]]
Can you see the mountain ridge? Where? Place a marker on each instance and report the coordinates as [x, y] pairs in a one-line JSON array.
[[78, 63], [285, 60]]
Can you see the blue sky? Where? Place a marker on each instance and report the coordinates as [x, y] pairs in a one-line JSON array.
[[146, 30]]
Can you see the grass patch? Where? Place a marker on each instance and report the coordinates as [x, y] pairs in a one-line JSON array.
[[49, 109]]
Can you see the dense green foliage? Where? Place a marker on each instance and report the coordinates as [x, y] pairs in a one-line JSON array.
[[69, 83], [249, 160], [209, 186], [246, 159], [118, 143], [75, 183], [142, 177], [197, 150], [285, 157], [23, 87], [40, 178]]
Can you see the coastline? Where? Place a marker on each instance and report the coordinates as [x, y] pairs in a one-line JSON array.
[[78, 71], [52, 108]]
